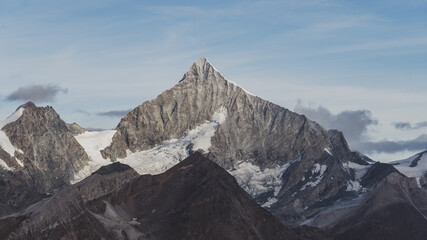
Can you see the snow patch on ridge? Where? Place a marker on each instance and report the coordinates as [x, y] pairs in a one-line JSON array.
[[269, 202], [317, 168], [418, 182], [5, 143], [4, 166], [328, 151], [19, 162], [228, 81], [237, 85], [12, 118], [359, 170], [353, 186]]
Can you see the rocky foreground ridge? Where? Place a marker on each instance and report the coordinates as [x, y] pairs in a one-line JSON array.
[[196, 199]]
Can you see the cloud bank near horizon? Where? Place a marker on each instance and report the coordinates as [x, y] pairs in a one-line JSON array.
[[355, 123]]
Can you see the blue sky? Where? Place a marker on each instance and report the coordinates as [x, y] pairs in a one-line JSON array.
[[339, 56]]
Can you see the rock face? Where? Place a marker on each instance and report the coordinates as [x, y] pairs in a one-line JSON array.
[[44, 159], [195, 199], [395, 209], [377, 173], [256, 133], [277, 135]]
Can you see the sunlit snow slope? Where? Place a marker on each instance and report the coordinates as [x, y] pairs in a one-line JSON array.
[[5, 143], [152, 161], [415, 166]]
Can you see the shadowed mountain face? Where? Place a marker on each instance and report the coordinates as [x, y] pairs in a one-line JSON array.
[[195, 199], [394, 209], [254, 134], [41, 154]]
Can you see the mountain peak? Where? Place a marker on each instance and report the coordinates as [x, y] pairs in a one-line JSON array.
[[28, 105], [201, 62], [206, 71], [201, 68]]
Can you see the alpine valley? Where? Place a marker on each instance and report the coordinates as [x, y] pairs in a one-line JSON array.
[[204, 160]]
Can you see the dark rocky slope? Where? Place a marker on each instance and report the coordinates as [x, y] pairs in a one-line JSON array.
[[395, 209], [195, 199]]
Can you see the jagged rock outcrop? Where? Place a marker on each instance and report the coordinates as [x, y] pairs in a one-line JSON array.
[[45, 158], [255, 131], [195, 199]]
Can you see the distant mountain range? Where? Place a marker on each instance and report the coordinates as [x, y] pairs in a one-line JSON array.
[[304, 175]]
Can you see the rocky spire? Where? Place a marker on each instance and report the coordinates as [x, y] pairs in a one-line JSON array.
[[202, 70]]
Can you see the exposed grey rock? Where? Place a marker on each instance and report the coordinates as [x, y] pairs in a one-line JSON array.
[[50, 157], [255, 131]]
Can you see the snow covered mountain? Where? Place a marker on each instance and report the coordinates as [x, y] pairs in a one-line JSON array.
[[287, 162], [415, 166]]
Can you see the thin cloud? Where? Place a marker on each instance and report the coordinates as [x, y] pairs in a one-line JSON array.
[[409, 126], [114, 113], [83, 112], [385, 146], [36, 93]]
